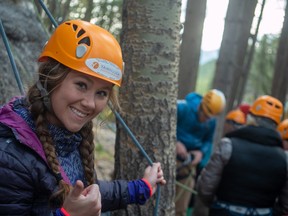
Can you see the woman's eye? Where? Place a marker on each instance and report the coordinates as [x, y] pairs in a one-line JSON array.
[[102, 93], [82, 85]]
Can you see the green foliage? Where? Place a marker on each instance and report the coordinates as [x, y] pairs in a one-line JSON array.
[[205, 76], [262, 68], [105, 13], [261, 72]]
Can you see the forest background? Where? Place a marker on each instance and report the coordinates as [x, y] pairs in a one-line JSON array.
[[162, 54]]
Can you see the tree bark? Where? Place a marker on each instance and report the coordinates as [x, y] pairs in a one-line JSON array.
[[229, 66], [191, 46], [279, 85], [89, 8], [150, 43], [242, 81]]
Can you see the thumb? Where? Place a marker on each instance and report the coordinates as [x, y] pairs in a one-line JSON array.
[[78, 189]]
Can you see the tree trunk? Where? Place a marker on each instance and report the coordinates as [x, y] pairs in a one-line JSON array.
[[279, 85], [26, 38], [242, 81], [89, 8], [191, 46], [150, 43], [239, 17], [65, 10]]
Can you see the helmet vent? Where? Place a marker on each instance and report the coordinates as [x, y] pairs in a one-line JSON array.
[[81, 32], [278, 107], [271, 104], [85, 40], [75, 27]]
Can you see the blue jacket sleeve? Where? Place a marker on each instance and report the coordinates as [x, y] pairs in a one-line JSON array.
[[118, 194], [114, 194], [139, 191]]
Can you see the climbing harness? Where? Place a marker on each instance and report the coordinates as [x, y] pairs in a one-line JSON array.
[[184, 186]]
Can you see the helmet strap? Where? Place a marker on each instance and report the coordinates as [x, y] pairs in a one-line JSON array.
[[45, 95]]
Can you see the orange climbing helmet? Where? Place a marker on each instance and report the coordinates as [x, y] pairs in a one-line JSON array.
[[213, 102], [269, 107], [237, 116], [86, 48], [283, 129]]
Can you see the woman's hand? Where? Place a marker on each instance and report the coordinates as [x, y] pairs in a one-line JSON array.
[[181, 150], [83, 201], [154, 175], [197, 157]]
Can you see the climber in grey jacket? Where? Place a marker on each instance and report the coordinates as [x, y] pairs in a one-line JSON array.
[[247, 173]]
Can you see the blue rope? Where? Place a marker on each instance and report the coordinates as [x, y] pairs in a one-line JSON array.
[[131, 135], [15, 70], [120, 120], [55, 24]]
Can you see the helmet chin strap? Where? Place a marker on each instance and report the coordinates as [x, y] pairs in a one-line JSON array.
[[45, 95]]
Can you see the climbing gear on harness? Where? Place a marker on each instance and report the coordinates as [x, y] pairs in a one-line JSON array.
[[269, 107], [86, 48], [242, 210], [184, 163], [213, 102]]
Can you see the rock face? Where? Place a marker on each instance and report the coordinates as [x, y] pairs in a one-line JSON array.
[[26, 37]]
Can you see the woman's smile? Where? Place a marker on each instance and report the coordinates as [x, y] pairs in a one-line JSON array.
[[78, 113]]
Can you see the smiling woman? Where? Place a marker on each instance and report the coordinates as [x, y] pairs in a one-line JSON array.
[[52, 128]]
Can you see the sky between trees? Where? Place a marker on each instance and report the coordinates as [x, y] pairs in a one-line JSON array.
[[215, 16]]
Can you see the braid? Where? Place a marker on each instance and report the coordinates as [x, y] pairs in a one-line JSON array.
[[87, 152], [38, 111]]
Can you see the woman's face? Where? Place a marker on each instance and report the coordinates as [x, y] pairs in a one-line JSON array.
[[77, 100]]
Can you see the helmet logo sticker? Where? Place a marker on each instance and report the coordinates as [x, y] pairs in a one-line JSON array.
[[95, 65], [258, 107], [104, 68]]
